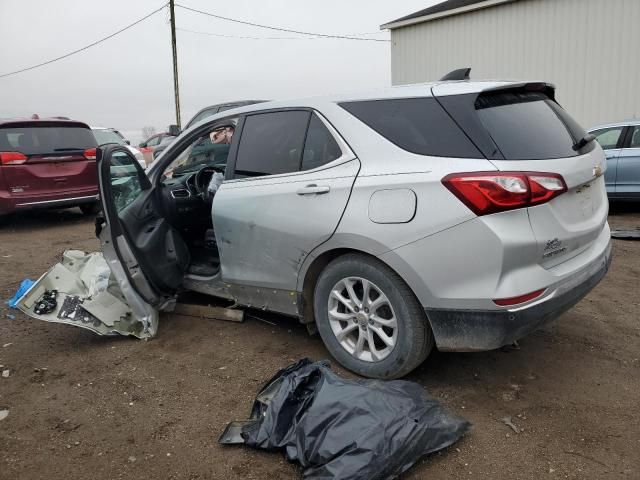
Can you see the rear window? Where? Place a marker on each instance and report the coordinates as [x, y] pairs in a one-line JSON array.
[[528, 125], [418, 125], [38, 140]]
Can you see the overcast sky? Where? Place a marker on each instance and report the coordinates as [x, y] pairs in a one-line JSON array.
[[126, 82]]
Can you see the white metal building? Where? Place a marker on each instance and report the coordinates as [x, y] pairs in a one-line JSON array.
[[590, 49]]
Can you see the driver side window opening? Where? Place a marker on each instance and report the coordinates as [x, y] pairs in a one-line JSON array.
[[211, 148], [188, 187]]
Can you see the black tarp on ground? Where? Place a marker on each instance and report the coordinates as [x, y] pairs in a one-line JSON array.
[[346, 429]]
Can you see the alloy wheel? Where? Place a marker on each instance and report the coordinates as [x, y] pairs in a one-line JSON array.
[[362, 319]]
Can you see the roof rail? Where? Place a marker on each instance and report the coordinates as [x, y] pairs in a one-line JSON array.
[[460, 74]]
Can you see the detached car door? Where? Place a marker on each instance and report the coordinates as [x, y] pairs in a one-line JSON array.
[[286, 189], [145, 253]]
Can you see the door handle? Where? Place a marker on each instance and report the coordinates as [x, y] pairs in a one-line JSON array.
[[314, 189]]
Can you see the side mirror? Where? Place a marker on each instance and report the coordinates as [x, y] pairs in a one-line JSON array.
[[142, 145], [128, 142], [174, 130]]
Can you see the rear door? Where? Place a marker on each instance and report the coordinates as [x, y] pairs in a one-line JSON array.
[[143, 250], [611, 139], [530, 132], [628, 176], [51, 160], [286, 190]]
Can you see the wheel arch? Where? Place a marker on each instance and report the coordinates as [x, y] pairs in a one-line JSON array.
[[312, 273]]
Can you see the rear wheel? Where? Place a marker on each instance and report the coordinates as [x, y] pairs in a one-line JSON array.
[[369, 319], [89, 208]]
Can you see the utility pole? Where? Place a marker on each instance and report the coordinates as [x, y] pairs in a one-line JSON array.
[[176, 87]]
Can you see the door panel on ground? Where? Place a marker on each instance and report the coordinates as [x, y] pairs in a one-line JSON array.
[[628, 175], [87, 295], [150, 249]]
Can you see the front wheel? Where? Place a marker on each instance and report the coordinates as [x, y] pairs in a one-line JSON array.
[[369, 319]]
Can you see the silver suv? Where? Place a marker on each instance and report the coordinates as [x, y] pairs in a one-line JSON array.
[[460, 215]]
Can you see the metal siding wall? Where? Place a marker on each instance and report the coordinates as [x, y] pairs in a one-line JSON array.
[[588, 48]]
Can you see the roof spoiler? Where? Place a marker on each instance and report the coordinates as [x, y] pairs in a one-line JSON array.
[[460, 74]]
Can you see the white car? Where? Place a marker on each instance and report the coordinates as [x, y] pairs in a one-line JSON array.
[[106, 135]]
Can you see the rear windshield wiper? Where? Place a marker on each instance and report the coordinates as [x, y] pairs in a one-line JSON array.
[[67, 149], [584, 141]]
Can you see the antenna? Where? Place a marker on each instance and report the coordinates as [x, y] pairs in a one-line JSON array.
[[460, 74]]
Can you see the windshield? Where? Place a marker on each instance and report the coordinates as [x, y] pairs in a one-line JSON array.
[[209, 149], [104, 136]]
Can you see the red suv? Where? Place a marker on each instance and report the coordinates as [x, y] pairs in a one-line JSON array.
[[47, 163]]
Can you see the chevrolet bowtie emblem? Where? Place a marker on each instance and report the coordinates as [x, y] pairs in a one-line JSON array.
[[597, 171]]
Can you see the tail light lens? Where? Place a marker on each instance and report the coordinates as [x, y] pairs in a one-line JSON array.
[[492, 192], [12, 158], [90, 154]]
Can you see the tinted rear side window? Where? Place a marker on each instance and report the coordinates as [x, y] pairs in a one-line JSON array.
[[272, 143], [418, 125], [45, 140], [320, 147], [528, 125]]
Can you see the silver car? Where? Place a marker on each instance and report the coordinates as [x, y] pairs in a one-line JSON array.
[[456, 215]]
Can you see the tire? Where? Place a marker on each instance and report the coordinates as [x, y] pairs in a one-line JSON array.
[[89, 208], [412, 338]]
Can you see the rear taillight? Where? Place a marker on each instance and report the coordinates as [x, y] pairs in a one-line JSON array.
[[12, 158], [90, 154], [508, 302], [492, 192]]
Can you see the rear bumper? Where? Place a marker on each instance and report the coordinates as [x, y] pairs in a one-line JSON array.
[[479, 330]]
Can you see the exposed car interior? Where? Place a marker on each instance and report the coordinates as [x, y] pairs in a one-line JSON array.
[[187, 195], [171, 225]]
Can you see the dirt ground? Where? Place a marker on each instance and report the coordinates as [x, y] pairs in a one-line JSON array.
[[82, 406]]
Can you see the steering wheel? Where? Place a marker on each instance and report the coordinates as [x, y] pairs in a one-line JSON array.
[[203, 178]]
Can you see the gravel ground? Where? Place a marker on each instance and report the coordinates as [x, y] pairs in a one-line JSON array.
[[82, 406]]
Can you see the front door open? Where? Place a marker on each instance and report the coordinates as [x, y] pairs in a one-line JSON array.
[[150, 251]]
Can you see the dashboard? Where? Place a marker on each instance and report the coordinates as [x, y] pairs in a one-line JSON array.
[[186, 196]]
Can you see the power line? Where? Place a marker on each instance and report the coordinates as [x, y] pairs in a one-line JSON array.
[[85, 47], [279, 29], [243, 37]]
